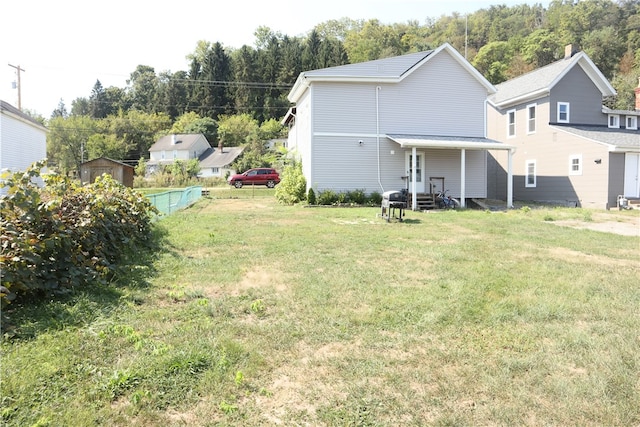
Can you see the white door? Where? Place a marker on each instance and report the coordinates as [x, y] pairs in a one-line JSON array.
[[420, 185], [631, 169]]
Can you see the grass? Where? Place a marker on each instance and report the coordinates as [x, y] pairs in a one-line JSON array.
[[261, 314]]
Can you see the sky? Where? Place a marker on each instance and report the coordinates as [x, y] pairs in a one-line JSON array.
[[65, 46]]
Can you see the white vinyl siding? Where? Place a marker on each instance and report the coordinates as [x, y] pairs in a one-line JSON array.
[[575, 164], [563, 112], [530, 177], [22, 143], [531, 118], [511, 123]]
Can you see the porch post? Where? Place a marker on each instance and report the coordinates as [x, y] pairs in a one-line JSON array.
[[510, 180], [414, 198], [463, 161]]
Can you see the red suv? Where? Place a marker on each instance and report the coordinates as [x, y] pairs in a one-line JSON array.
[[256, 176]]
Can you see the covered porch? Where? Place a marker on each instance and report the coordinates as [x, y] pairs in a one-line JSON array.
[[421, 186]]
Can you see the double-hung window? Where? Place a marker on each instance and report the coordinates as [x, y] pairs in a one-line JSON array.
[[575, 164], [632, 122], [614, 121], [530, 178], [531, 118], [563, 112], [511, 123]]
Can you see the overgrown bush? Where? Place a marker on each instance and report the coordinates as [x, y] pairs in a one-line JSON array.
[[311, 197], [327, 197], [293, 185], [374, 199], [67, 235]]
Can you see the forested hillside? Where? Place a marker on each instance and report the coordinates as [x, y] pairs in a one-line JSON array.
[[501, 42]]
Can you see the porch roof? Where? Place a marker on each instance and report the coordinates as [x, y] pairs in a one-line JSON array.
[[454, 142]]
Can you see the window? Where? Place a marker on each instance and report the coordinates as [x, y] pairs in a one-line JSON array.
[[215, 171], [163, 155], [632, 122], [175, 154], [531, 174], [614, 121], [511, 123], [575, 164], [531, 118], [563, 112]]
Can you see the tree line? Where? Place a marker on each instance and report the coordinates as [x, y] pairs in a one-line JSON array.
[[252, 81]]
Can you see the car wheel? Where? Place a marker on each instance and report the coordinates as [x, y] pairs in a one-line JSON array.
[[271, 184], [238, 184]]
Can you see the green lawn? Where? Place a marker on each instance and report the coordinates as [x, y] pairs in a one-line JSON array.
[[261, 314]]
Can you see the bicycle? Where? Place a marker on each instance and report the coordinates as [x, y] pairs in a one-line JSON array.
[[445, 201]]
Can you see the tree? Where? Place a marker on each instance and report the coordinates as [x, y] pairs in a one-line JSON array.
[[106, 145], [97, 101], [144, 89], [493, 61], [60, 111], [237, 130], [66, 141]]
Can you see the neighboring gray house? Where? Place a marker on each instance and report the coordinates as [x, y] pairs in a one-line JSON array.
[[569, 148], [415, 121], [23, 140], [216, 162]]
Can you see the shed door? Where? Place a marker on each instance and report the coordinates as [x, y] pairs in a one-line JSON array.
[[631, 169]]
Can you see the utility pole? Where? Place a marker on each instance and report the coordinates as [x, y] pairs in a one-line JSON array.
[[18, 70]]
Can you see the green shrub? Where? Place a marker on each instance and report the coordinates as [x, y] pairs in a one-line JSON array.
[[293, 185], [374, 199], [357, 197], [66, 235], [327, 197], [311, 197]]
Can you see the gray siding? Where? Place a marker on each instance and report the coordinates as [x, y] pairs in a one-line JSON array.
[[616, 177], [584, 98], [440, 98], [446, 163]]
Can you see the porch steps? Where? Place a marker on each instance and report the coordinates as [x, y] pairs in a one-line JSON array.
[[424, 201]]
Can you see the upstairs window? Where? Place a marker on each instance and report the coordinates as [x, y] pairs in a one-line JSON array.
[[575, 164], [531, 118], [632, 122], [563, 112], [163, 155], [511, 123], [614, 121], [175, 154]]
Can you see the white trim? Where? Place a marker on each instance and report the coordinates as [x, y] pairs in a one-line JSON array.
[[526, 174], [631, 122], [511, 124], [577, 171], [533, 106], [562, 104], [613, 121]]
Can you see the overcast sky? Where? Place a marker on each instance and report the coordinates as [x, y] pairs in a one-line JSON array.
[[64, 46]]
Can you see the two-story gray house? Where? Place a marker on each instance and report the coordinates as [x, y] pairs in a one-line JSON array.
[[416, 122], [569, 148]]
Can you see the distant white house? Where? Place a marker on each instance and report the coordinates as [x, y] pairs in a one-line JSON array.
[[23, 140], [214, 162]]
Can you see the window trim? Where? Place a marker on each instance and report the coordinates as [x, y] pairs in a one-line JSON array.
[[571, 159], [510, 124], [633, 120], [616, 121], [531, 107], [564, 104], [526, 175]]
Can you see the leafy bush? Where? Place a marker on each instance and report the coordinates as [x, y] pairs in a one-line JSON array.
[[311, 197], [327, 197], [375, 199], [66, 235], [357, 197], [293, 185]]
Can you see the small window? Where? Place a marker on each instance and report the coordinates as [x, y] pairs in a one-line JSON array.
[[614, 121], [563, 112], [511, 123], [632, 122], [175, 154], [163, 155], [531, 174], [215, 170], [531, 118], [575, 164]]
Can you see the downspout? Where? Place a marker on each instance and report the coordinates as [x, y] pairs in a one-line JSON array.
[[463, 176], [510, 179], [378, 88]]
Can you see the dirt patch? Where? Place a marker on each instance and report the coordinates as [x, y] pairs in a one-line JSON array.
[[629, 227]]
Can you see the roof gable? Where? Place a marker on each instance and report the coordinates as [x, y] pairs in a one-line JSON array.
[[538, 83], [387, 70], [10, 110], [219, 158]]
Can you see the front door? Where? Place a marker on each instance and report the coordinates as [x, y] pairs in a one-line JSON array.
[[631, 169], [420, 185]]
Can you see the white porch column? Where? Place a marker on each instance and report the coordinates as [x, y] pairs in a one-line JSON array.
[[510, 180], [414, 199], [463, 176]]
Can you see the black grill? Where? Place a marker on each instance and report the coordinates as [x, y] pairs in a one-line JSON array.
[[392, 200]]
